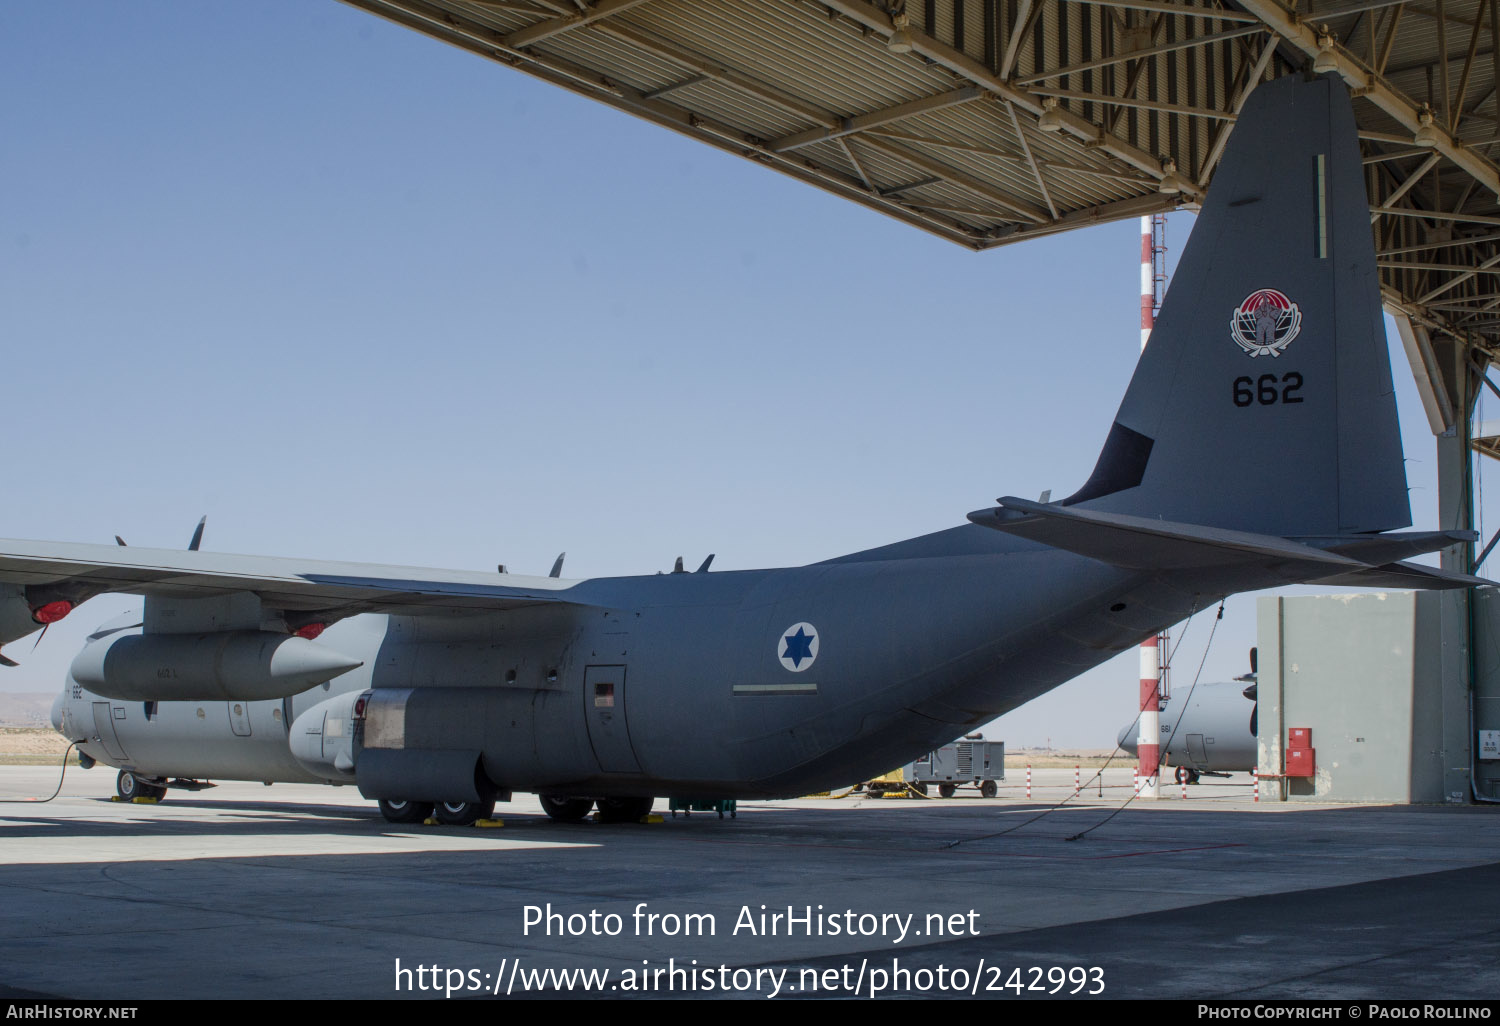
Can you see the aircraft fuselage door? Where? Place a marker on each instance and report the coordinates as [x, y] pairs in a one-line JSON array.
[[604, 708], [104, 726], [1197, 753], [239, 718]]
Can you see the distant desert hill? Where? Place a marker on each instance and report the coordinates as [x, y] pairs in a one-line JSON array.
[[26, 708]]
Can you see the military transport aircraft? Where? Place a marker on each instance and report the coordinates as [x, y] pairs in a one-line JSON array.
[[1256, 446], [1210, 729]]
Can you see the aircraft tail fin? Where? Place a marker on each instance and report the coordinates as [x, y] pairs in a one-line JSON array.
[[1263, 402]]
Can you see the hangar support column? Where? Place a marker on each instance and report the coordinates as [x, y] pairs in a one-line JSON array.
[[1470, 619], [1450, 693], [1455, 510]]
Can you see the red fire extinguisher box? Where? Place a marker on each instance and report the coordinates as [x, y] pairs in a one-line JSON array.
[[1300, 762]]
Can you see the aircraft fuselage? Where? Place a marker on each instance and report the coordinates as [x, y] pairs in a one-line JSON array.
[[695, 683]]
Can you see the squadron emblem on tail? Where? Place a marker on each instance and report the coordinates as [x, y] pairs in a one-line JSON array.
[[1265, 323]]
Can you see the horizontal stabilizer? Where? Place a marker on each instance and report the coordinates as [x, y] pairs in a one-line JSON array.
[[1406, 575], [1143, 543], [1379, 549]]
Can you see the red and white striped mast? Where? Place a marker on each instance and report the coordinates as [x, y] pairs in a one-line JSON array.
[[1153, 666]]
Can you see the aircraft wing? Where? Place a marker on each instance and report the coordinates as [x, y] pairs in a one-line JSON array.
[[36, 574]]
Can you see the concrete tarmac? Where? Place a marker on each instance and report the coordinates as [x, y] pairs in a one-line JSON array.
[[305, 892]]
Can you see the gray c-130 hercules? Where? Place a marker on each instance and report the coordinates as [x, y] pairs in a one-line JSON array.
[[1257, 445]]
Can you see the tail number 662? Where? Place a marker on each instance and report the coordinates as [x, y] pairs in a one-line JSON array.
[[1268, 389]]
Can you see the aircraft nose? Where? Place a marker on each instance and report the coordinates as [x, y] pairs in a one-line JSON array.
[[1127, 738], [57, 711]]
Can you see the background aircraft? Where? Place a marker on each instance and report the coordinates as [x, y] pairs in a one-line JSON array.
[[1210, 728]]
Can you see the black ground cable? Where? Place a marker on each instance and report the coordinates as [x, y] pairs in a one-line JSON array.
[[60, 778], [1084, 833], [1099, 773]]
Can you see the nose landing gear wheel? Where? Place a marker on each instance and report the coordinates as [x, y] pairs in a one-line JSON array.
[[624, 810], [463, 813], [566, 810], [399, 810]]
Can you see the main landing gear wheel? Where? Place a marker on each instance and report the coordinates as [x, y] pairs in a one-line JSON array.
[[126, 786], [1187, 775], [624, 810], [130, 787], [989, 789], [463, 813], [566, 810], [947, 790], [399, 810]]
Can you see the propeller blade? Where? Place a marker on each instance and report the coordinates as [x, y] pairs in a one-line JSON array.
[[703, 567], [197, 535], [677, 566], [557, 566], [119, 541]]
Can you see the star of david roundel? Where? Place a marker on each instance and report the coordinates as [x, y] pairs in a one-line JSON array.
[[797, 646]]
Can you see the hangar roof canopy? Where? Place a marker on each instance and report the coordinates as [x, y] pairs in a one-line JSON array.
[[992, 121]]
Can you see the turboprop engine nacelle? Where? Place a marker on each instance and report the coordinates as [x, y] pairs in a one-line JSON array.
[[322, 738], [222, 665], [15, 614]]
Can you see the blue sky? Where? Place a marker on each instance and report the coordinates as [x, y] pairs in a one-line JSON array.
[[358, 295]]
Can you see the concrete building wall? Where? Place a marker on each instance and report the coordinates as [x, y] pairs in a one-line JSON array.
[[1369, 676]]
